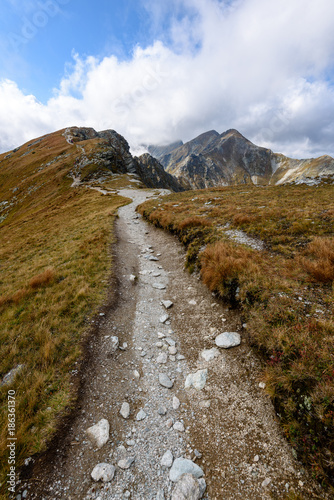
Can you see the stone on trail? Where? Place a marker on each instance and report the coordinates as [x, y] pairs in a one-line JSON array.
[[176, 403], [126, 463], [162, 410], [184, 466], [187, 488], [197, 379], [210, 354], [178, 426], [167, 459], [266, 482], [99, 433], [162, 358], [153, 258], [140, 415], [228, 339], [114, 343], [125, 410], [165, 381], [159, 286], [103, 472], [164, 318], [172, 350], [167, 303]]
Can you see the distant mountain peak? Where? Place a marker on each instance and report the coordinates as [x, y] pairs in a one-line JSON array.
[[213, 159]]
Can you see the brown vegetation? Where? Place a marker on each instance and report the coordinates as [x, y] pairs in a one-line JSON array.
[[320, 261], [50, 286], [284, 292]]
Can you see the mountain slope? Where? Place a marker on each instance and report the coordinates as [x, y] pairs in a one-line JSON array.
[[213, 159], [58, 200]]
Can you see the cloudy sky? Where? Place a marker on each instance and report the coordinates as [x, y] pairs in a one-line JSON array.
[[161, 70]]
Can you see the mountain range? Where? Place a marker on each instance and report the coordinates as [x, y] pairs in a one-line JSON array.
[[89, 158], [214, 159]]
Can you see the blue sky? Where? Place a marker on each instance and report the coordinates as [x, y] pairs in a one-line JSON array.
[[40, 37], [157, 71]]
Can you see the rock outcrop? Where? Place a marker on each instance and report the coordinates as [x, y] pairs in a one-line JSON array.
[[153, 175], [110, 150], [214, 159]]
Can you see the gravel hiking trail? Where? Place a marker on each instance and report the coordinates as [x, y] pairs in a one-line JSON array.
[[223, 424]]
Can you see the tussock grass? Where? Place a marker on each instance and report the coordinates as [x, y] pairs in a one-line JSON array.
[[320, 264], [223, 265], [54, 266], [285, 293]]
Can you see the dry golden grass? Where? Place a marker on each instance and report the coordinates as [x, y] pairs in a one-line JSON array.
[[54, 266], [285, 292], [42, 279], [194, 222], [320, 265], [223, 263]]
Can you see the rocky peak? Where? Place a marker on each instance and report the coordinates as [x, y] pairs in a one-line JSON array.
[[110, 150], [213, 159]]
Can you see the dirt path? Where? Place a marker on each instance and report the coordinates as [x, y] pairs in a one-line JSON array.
[[229, 428]]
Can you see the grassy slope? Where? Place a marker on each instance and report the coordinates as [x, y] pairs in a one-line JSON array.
[[54, 261], [285, 292]]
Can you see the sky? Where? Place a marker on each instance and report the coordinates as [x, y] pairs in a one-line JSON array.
[[157, 71]]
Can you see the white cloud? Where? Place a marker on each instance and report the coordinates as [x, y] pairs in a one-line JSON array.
[[263, 67]]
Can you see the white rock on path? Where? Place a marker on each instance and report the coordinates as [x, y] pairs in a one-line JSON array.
[[167, 459], [99, 433], [164, 318], [114, 343], [196, 380], [162, 358], [176, 403], [167, 303], [187, 488], [178, 426], [228, 339], [125, 410], [165, 381], [159, 286], [141, 415], [184, 466], [210, 354], [103, 472], [126, 463]]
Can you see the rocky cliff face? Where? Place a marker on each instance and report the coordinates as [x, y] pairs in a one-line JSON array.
[[214, 159], [110, 150], [153, 174]]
